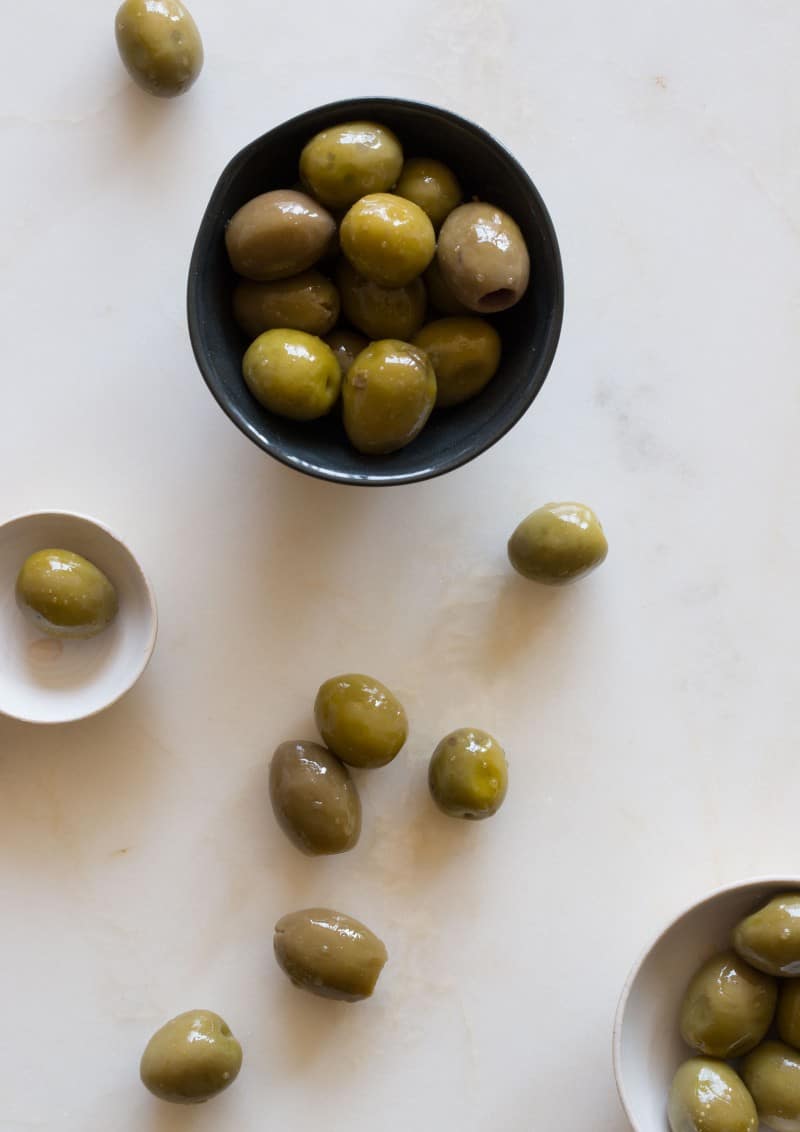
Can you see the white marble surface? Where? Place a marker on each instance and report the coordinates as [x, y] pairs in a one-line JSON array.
[[651, 715]]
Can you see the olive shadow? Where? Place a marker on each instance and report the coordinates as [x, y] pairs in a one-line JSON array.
[[307, 1024]]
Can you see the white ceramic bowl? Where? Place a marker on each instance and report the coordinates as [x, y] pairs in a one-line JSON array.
[[647, 1044], [48, 680]]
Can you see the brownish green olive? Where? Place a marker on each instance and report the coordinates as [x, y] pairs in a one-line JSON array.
[[788, 1016], [432, 186], [728, 1007], [329, 954], [387, 239], [361, 721], [277, 235], [308, 302], [440, 296], [708, 1096], [772, 1074], [314, 798], [346, 162], [346, 345], [160, 45], [65, 595], [770, 939], [191, 1058], [293, 374], [557, 544], [464, 353], [468, 774], [387, 396], [380, 312], [483, 257]]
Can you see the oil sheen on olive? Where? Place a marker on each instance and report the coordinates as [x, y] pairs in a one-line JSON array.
[[431, 185], [728, 1007], [160, 45], [308, 302], [278, 234], [772, 1074], [770, 939], [360, 720], [293, 374], [468, 774], [464, 353], [483, 257], [343, 163], [329, 954], [558, 543], [708, 1096], [387, 239], [65, 595], [387, 396], [191, 1058], [380, 312], [314, 798]]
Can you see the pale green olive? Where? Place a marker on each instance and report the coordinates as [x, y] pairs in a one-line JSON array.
[[65, 595], [431, 185], [160, 45], [387, 396], [293, 374], [728, 1007], [468, 774], [557, 544], [191, 1058], [465, 355], [770, 938], [361, 721], [708, 1096], [329, 954], [772, 1074], [345, 162], [387, 239]]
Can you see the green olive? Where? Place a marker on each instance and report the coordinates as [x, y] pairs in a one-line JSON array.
[[346, 345], [770, 939], [788, 1016], [772, 1074], [483, 257], [314, 799], [160, 45], [278, 235], [708, 1096], [329, 954], [360, 720], [380, 312], [293, 374], [65, 595], [464, 353], [468, 774], [387, 239], [308, 302], [432, 186], [387, 396], [191, 1058], [346, 162], [557, 544], [440, 296], [728, 1007]]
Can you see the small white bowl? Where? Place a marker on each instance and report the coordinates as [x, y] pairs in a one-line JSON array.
[[647, 1043], [49, 680]]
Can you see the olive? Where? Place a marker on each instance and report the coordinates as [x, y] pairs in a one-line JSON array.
[[557, 544], [314, 799], [440, 296], [329, 954], [308, 302], [65, 595], [380, 312], [360, 720], [191, 1058], [277, 235], [728, 1007], [346, 162], [464, 353], [292, 373], [387, 239], [483, 257], [708, 1096], [432, 186], [788, 1016], [346, 345], [468, 774], [770, 938], [160, 45], [387, 396], [772, 1074]]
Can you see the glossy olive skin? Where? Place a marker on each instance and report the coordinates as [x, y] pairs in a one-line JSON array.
[[329, 954], [277, 235], [483, 257], [430, 184], [380, 312], [191, 1058], [468, 774], [308, 302], [160, 45], [788, 1016], [728, 1007], [772, 1074], [345, 162], [770, 939], [440, 296], [708, 1096], [387, 239], [65, 595], [387, 396], [293, 374], [557, 544], [360, 720], [465, 355], [314, 799], [346, 345]]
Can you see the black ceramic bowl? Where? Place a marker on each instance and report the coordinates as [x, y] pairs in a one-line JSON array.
[[529, 331]]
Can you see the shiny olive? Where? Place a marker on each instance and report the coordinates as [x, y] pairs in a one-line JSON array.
[[329, 954], [708, 1096], [361, 721], [65, 595], [314, 799], [770, 938], [293, 374], [464, 353], [346, 345], [788, 1016], [387, 239], [191, 1058], [346, 162], [558, 543], [387, 396], [432, 186], [380, 312], [468, 774], [483, 257], [440, 296], [308, 302], [728, 1007], [160, 45], [772, 1074], [277, 235]]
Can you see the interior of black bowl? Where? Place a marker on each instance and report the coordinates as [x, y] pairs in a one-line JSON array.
[[529, 331]]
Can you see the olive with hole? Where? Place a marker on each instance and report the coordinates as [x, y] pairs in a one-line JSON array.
[[159, 45], [770, 938], [788, 1016], [65, 595], [468, 774], [728, 1007], [343, 163], [708, 1096], [380, 312], [387, 396], [465, 355], [557, 544], [772, 1074], [431, 185], [387, 239], [360, 720], [293, 374], [483, 257], [278, 234], [440, 296], [314, 798], [329, 954], [308, 302], [346, 345], [191, 1058]]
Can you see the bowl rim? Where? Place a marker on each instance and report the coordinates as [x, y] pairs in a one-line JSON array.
[[375, 479], [777, 880], [147, 588]]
